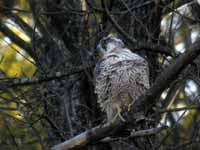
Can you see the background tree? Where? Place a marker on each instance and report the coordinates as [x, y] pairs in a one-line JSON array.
[[47, 60]]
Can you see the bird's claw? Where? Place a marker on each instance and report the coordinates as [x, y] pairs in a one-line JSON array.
[[118, 115]]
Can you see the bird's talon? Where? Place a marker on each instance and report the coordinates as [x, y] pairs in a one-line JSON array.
[[122, 119], [119, 115]]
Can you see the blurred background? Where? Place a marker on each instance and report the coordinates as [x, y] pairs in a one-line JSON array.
[[22, 126]]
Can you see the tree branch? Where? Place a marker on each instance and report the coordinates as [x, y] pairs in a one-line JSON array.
[[167, 76], [137, 45], [134, 134], [86, 137], [17, 40], [23, 25], [142, 104], [24, 81], [178, 109]]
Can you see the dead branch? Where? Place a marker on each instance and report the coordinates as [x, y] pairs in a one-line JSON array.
[[134, 134], [86, 137], [162, 82]]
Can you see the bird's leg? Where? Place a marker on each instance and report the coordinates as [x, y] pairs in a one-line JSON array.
[[130, 105], [131, 102], [118, 114]]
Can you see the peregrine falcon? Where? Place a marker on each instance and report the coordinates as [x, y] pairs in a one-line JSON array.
[[121, 76]]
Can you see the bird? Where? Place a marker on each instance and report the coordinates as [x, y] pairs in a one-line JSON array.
[[121, 77]]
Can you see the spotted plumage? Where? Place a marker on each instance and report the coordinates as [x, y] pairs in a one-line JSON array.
[[121, 77]]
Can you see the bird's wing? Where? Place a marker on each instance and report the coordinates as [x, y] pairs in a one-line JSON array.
[[103, 82]]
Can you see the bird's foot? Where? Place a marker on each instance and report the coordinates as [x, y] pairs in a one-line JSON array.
[[118, 114]]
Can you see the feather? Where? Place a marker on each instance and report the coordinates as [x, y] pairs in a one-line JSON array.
[[122, 77]]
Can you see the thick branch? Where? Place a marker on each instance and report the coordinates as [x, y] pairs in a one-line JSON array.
[[162, 82], [135, 134], [170, 74], [86, 137]]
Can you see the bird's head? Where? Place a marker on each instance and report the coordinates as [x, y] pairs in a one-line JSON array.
[[107, 44]]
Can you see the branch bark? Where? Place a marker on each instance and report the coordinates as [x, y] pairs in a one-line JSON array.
[[167, 76], [162, 82], [86, 137]]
